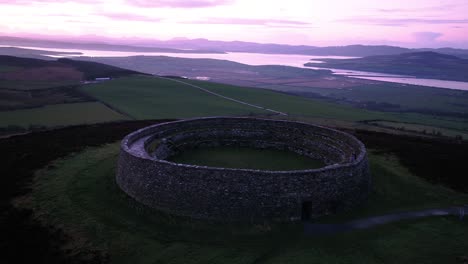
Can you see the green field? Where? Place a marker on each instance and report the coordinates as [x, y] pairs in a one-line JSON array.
[[4, 68], [305, 107], [144, 97], [152, 98], [246, 158], [416, 98], [34, 85], [148, 97], [420, 128], [293, 105], [60, 115], [79, 194]]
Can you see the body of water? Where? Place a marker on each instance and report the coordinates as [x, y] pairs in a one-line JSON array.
[[241, 57], [420, 81], [272, 59]]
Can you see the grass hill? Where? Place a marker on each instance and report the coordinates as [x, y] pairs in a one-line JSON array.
[[15, 66], [425, 64], [13, 61], [163, 65], [92, 70], [37, 93]]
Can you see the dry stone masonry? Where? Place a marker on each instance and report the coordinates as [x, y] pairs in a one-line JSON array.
[[225, 194]]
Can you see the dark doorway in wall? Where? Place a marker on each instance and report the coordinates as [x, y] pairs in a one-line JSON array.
[[306, 210]]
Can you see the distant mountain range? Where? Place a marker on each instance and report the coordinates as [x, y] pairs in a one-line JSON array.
[[182, 45], [426, 64], [240, 46], [14, 41], [350, 50]]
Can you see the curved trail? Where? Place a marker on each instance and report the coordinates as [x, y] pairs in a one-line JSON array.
[[225, 97], [364, 223]]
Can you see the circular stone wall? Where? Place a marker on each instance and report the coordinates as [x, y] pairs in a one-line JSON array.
[[243, 194]]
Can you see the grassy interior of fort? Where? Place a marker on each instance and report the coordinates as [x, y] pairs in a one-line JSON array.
[[79, 193], [246, 158]]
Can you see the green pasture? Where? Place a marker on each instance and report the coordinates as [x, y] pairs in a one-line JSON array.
[[407, 97], [421, 128], [60, 115], [315, 108], [34, 85], [145, 97]]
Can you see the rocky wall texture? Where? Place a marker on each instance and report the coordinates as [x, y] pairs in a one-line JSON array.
[[224, 194]]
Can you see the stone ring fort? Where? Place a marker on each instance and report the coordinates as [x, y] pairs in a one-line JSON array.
[[226, 194]]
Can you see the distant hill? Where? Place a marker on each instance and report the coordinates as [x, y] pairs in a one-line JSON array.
[[17, 68], [425, 64], [33, 53], [241, 46], [21, 52], [182, 45], [27, 83], [92, 70], [12, 61], [461, 53], [163, 65], [14, 41]]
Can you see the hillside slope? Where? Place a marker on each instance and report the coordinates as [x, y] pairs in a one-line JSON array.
[[24, 68], [426, 64]]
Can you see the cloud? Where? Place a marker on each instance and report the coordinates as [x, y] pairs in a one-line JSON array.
[[28, 2], [248, 21], [398, 22], [427, 36], [441, 7], [129, 17], [179, 3]]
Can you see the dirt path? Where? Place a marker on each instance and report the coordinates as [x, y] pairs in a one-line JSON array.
[[225, 97], [364, 223]]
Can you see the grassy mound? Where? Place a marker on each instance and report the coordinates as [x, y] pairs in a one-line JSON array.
[[79, 193]]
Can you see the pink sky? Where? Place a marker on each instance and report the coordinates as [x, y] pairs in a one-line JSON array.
[[412, 23]]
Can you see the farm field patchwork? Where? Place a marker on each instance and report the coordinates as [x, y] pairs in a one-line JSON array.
[[389, 96], [419, 128], [150, 98], [144, 97], [306, 107], [32, 85], [60, 115]]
